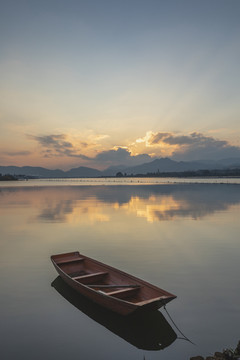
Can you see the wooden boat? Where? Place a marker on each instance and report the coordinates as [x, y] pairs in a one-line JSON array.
[[107, 286]]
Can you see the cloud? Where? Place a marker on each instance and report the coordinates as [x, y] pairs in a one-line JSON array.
[[211, 151], [58, 145], [92, 150], [17, 153], [193, 146], [55, 141], [195, 139], [121, 156], [156, 138]]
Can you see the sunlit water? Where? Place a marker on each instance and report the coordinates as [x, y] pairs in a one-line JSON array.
[[183, 238]]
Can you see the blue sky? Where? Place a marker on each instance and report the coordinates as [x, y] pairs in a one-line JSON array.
[[98, 76]]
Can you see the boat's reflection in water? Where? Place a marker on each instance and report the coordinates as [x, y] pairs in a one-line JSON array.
[[147, 331]]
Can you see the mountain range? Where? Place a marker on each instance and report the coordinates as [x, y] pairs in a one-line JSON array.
[[158, 165]]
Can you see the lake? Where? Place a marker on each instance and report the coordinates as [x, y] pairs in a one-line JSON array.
[[181, 235]]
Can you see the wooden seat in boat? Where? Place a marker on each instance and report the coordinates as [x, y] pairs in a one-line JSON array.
[[88, 278], [66, 261], [122, 293]]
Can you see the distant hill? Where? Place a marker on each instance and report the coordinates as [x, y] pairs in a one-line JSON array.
[[168, 165], [41, 172], [82, 171], [31, 171], [162, 165], [158, 165]]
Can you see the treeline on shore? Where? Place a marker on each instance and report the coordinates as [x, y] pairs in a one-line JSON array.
[[226, 354], [196, 173], [7, 177], [10, 177]]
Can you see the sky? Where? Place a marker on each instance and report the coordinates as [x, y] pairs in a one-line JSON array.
[[106, 82]]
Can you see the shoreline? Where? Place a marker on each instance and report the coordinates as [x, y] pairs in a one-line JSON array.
[[226, 354]]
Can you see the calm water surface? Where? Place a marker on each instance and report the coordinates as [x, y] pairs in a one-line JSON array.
[[181, 237]]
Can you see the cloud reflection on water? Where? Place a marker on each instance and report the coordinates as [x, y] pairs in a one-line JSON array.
[[90, 204]]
